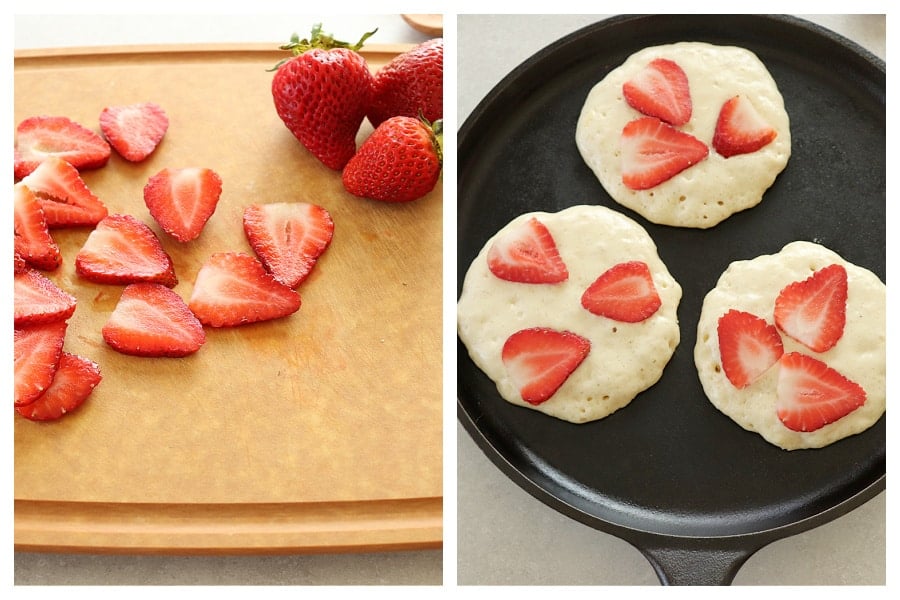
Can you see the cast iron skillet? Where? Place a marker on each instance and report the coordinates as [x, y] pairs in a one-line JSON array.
[[695, 493]]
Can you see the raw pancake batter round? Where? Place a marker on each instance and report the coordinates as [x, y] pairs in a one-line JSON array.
[[710, 191], [859, 355], [625, 358]]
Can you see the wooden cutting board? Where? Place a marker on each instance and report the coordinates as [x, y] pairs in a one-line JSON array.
[[317, 432]]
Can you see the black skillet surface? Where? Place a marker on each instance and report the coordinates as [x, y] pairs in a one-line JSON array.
[[669, 473]]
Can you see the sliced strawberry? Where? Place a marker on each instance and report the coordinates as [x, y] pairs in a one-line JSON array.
[[539, 360], [183, 200], [20, 265], [37, 349], [134, 130], [740, 129], [152, 320], [63, 195], [748, 347], [37, 299], [814, 311], [43, 136], [32, 238], [122, 250], [74, 381], [653, 152], [233, 289], [288, 237], [661, 90], [811, 394], [527, 254], [625, 292]]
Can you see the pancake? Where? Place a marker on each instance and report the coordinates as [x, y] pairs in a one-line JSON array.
[[713, 189], [858, 355], [624, 358]]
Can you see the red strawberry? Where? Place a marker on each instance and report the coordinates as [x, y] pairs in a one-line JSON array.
[[740, 129], [183, 200], [401, 161], [152, 320], [122, 250], [811, 394], [32, 238], [814, 311], [63, 195], [654, 152], [37, 349], [527, 254], [288, 237], [412, 83], [625, 292], [37, 299], [539, 360], [19, 263], [748, 346], [233, 289], [661, 90], [134, 130], [322, 95], [74, 381], [40, 137]]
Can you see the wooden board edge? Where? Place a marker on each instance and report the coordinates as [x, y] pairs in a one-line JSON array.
[[206, 48], [328, 527]]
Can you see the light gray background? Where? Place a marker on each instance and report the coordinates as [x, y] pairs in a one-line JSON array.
[[505, 536], [388, 568]]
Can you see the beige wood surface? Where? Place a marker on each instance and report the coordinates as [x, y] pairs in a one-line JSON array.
[[317, 432]]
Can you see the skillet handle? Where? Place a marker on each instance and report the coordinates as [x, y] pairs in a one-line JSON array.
[[696, 561]]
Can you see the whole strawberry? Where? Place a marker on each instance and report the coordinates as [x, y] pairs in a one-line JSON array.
[[322, 95], [411, 84], [399, 162]]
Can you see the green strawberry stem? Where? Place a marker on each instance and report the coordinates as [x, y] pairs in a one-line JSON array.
[[317, 39], [437, 135], [438, 129]]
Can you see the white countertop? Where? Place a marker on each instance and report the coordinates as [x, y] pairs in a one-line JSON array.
[[505, 536], [386, 568]]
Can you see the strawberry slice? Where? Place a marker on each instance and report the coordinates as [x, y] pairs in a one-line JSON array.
[[814, 311], [624, 292], [748, 347], [233, 288], [653, 152], [288, 237], [527, 254], [20, 265], [810, 394], [37, 299], [43, 136], [740, 129], [75, 379], [122, 250], [540, 359], [32, 238], [63, 195], [37, 349], [152, 320], [183, 200], [134, 130], [661, 90]]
